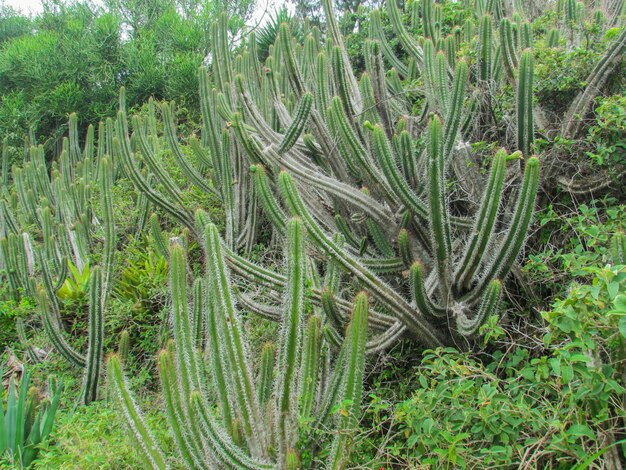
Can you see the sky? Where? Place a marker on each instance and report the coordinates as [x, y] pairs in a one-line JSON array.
[[263, 11]]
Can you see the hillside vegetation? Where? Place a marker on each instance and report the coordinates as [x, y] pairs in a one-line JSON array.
[[374, 238]]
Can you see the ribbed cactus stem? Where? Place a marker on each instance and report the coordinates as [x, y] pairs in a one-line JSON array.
[[197, 319], [266, 372], [5, 162], [377, 33], [123, 347], [292, 460], [123, 149], [151, 453], [618, 248], [233, 342], [525, 120], [300, 118], [310, 365], [407, 40], [485, 47], [180, 424], [157, 236], [55, 334], [288, 385], [268, 201], [516, 233], [190, 172], [489, 306], [397, 182], [439, 222], [382, 291], [96, 335], [419, 294], [483, 228], [455, 109], [225, 451], [352, 389], [106, 202]]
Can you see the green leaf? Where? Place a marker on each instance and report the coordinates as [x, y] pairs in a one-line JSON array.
[[580, 430]]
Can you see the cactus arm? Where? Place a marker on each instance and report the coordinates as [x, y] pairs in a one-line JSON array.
[[455, 110], [233, 341], [269, 203], [408, 42], [176, 417], [350, 398], [335, 187], [96, 335], [264, 310], [106, 202], [485, 47], [485, 221], [287, 386], [525, 122], [351, 85], [439, 221], [488, 307], [266, 372], [215, 353], [157, 236], [573, 118], [155, 165], [55, 334], [122, 145], [377, 33], [225, 450], [355, 147], [310, 363], [151, 454], [197, 323], [301, 116], [509, 54], [397, 181], [513, 241], [190, 172], [419, 294]]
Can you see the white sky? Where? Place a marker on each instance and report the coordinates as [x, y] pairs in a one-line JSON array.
[[263, 10]]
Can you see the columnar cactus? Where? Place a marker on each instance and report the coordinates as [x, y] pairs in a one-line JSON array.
[[292, 392]]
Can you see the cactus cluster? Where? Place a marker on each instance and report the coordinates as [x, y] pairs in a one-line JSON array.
[[261, 410], [376, 172], [302, 136], [50, 227]]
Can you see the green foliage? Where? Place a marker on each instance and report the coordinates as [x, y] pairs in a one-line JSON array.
[[10, 311], [92, 437], [606, 135], [76, 286], [143, 279]]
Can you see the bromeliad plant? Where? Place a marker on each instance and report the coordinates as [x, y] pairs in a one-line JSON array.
[[27, 421], [207, 366]]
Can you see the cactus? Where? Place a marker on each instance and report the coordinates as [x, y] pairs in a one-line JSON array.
[[203, 440], [525, 121], [96, 335], [618, 248]]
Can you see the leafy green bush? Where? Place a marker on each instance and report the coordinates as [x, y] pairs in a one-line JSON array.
[[607, 135]]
